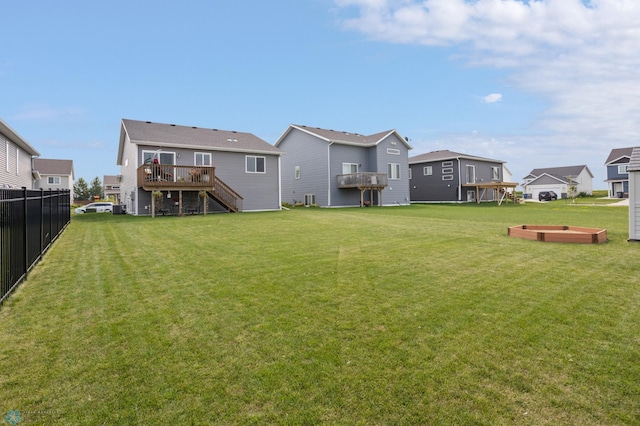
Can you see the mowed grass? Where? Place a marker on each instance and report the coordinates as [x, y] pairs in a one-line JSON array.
[[427, 314]]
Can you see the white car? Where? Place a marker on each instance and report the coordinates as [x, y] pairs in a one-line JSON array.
[[101, 207]]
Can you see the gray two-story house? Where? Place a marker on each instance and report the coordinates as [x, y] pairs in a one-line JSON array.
[[448, 176], [172, 169], [330, 168], [617, 174], [16, 155]]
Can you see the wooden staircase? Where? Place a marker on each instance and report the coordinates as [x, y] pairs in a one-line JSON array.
[[225, 196], [510, 195]]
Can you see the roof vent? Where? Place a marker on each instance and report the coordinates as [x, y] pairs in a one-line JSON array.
[[172, 125], [148, 122], [232, 140]]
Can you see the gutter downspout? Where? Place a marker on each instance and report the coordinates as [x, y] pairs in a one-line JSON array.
[[459, 180], [329, 173], [280, 182]]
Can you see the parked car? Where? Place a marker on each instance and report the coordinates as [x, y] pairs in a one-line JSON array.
[[101, 207], [547, 196]]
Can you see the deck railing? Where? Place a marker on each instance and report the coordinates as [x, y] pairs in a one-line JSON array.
[[172, 176], [362, 180]]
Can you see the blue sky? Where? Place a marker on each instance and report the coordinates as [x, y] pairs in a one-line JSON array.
[[536, 84]]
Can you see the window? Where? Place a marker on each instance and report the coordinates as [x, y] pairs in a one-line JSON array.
[[427, 171], [393, 171], [447, 164], [309, 199], [447, 177], [297, 172], [17, 161], [202, 159], [393, 151], [447, 171], [471, 196], [7, 151], [53, 180], [255, 164], [495, 173], [349, 168], [410, 173], [471, 174], [162, 157], [622, 169]]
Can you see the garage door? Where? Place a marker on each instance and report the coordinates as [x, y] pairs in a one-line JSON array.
[[557, 189]]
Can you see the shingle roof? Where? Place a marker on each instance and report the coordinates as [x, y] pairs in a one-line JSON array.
[[634, 163], [337, 136], [110, 180], [618, 153], [446, 155], [146, 132], [561, 173], [46, 166], [14, 137]]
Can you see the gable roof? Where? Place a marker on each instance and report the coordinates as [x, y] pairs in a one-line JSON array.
[[560, 173], [110, 180], [14, 137], [617, 154], [46, 166], [446, 155], [191, 137], [634, 163], [344, 138]]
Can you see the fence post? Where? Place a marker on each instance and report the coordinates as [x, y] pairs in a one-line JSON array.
[[25, 233], [41, 219]]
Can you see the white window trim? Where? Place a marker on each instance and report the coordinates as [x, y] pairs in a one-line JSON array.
[[391, 168], [54, 178], [296, 172], [447, 177], [255, 164], [17, 161], [623, 169], [7, 159], [204, 155], [447, 164], [447, 171], [427, 170], [350, 166], [495, 173], [467, 177], [393, 151]]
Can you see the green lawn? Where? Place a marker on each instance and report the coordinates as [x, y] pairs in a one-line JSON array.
[[426, 314]]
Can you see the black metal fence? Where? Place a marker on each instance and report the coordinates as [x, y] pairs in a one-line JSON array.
[[30, 221]]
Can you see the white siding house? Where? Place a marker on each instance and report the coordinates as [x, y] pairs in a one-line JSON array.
[[16, 168]]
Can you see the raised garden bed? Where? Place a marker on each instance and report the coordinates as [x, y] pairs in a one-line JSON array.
[[559, 234]]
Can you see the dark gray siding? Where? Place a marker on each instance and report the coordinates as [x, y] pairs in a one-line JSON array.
[[311, 154], [434, 188]]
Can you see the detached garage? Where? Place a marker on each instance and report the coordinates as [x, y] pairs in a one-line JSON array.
[[634, 195], [558, 180]]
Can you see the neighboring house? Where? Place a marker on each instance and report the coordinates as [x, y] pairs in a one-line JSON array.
[[111, 188], [559, 180], [193, 169], [16, 167], [634, 194], [53, 174], [617, 175], [330, 168], [447, 176]]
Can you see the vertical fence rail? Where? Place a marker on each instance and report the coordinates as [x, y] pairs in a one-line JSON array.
[[30, 221]]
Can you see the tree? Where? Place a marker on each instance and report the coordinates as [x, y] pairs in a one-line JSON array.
[[96, 188], [81, 190]]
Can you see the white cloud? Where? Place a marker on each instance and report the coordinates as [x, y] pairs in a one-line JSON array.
[[46, 112], [492, 98], [581, 57]]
